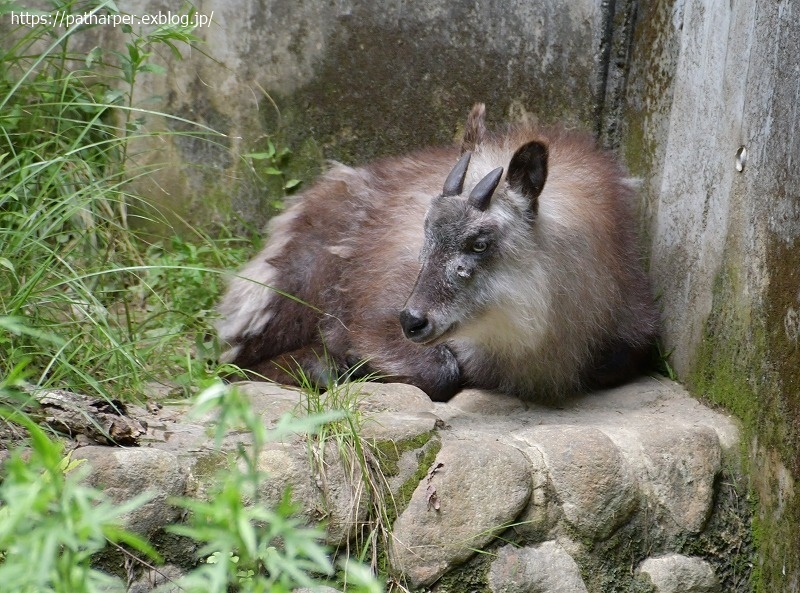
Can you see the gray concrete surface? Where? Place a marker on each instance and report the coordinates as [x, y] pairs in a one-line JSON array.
[[707, 80]]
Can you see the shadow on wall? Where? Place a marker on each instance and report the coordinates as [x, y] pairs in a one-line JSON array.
[[352, 81]]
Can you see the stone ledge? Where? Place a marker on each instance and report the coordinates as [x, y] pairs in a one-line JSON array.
[[556, 484]]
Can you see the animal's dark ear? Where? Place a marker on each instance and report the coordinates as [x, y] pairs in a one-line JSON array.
[[475, 129], [527, 171]]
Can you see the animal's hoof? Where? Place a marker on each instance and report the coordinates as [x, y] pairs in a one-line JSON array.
[[448, 380]]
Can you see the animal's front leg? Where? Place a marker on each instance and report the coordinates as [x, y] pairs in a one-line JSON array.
[[439, 374], [435, 369]]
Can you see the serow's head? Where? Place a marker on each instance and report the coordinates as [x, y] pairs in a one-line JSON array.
[[471, 242]]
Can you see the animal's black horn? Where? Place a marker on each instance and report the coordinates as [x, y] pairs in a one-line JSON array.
[[455, 180], [481, 194]]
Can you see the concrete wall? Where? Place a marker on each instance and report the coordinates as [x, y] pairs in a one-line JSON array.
[[708, 77], [352, 80]]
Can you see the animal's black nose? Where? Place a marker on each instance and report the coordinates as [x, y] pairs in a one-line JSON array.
[[415, 324]]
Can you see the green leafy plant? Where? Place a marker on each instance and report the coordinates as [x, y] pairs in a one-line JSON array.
[[68, 261], [87, 305], [343, 436], [268, 549], [51, 524], [273, 163]]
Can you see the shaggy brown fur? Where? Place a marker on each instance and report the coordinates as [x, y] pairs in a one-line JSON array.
[[558, 300]]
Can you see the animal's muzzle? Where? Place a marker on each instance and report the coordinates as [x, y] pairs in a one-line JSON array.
[[416, 325]]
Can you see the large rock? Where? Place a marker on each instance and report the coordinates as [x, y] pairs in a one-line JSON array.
[[125, 473], [325, 482], [392, 397], [592, 480], [543, 511], [675, 573], [546, 568], [676, 467], [607, 476], [681, 466], [395, 412], [473, 490]]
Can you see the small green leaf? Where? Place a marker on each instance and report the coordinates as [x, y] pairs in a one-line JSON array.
[[154, 68], [176, 53], [134, 53], [292, 183], [273, 171], [67, 464], [93, 56], [113, 97]]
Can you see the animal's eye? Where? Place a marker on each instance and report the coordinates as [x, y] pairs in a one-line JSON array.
[[480, 245]]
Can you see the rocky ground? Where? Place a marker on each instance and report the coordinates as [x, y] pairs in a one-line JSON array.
[[632, 489]]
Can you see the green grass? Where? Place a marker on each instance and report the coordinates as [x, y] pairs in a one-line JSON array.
[[89, 305], [70, 267], [342, 438], [48, 514], [255, 546]]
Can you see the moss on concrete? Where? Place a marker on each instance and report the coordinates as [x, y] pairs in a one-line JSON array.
[[727, 540], [775, 525], [389, 452], [731, 345], [743, 366], [427, 445], [782, 342], [208, 465], [387, 85], [425, 461], [612, 563]]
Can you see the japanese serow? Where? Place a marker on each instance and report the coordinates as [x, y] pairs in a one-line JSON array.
[[515, 267]]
